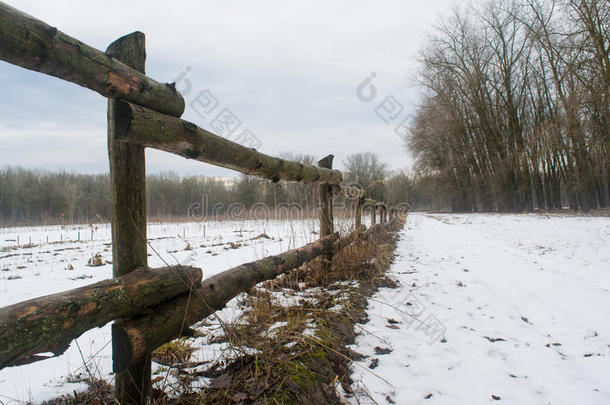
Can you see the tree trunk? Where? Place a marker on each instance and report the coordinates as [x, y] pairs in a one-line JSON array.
[[34, 45], [50, 323]]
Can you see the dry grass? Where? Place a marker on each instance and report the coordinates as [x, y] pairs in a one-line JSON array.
[[289, 346], [296, 346], [176, 351]]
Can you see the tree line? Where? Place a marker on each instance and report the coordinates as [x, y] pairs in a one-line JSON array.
[[44, 197], [516, 114]]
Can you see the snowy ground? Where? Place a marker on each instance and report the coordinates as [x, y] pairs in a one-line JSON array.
[[509, 308], [56, 260]]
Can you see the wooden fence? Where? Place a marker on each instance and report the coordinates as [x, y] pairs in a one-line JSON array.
[[149, 306]]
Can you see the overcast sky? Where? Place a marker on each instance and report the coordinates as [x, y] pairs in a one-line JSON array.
[[288, 71]]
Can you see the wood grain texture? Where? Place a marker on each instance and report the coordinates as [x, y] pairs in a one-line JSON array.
[[128, 213], [149, 128], [32, 44], [50, 323], [168, 320], [325, 195]]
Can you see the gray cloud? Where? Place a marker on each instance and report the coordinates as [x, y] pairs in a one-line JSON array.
[[288, 72]]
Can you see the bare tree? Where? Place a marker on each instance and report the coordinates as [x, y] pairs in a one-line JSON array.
[[367, 170], [516, 114]]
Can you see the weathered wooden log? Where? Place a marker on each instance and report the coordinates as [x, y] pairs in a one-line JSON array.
[[325, 196], [358, 221], [128, 212], [381, 209], [168, 320], [32, 44], [326, 200], [150, 128], [50, 323], [373, 215], [127, 175]]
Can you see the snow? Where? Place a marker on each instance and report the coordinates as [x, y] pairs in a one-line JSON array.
[[30, 271], [539, 283], [468, 280]]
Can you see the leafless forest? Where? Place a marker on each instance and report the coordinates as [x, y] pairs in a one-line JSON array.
[[517, 112], [515, 117], [43, 197]]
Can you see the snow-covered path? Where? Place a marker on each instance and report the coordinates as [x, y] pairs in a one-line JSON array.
[[516, 310]]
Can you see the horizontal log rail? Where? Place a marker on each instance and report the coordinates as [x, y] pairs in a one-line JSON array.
[[50, 323], [143, 334], [32, 44], [149, 128]]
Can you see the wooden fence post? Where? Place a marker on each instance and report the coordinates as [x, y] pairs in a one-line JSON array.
[[373, 214], [358, 223], [128, 206], [326, 209]]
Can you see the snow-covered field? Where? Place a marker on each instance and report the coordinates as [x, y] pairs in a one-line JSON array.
[[57, 261], [509, 308]]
